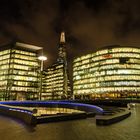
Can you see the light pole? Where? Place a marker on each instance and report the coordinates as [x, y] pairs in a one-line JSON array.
[[42, 59]]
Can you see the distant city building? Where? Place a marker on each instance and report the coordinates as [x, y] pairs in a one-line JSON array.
[[56, 84], [113, 72], [19, 72]]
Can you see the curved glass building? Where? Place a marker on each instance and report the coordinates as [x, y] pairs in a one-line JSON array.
[[113, 72]]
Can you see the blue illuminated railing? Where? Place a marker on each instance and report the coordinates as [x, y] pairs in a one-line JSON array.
[[12, 108], [57, 103], [21, 110]]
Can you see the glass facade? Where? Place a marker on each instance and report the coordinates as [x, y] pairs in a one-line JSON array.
[[108, 73], [53, 83], [19, 71]]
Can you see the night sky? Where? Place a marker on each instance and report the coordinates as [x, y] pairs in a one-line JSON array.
[[89, 24]]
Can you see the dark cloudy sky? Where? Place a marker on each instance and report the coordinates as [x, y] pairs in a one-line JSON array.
[[89, 24]]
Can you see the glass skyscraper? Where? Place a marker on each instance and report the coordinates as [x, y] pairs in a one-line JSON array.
[[19, 71], [113, 72], [56, 84]]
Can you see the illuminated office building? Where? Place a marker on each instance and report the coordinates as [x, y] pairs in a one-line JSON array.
[[113, 72], [56, 84], [19, 71]]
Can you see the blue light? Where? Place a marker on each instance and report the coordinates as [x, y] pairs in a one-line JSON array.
[[52, 102], [20, 110]]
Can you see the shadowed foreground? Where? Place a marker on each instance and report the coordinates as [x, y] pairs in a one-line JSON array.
[[127, 129]]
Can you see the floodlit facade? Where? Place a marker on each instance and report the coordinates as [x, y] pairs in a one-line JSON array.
[[56, 84], [113, 72], [19, 71]]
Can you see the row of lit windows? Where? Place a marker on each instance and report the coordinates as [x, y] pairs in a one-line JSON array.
[[126, 49], [107, 90], [83, 57], [104, 59], [102, 52], [24, 57], [119, 83], [26, 89], [4, 77], [57, 94], [114, 50], [16, 66], [107, 78], [5, 61], [22, 67], [24, 52], [56, 89], [22, 83], [54, 85], [22, 62], [125, 71], [104, 62], [52, 71], [2, 88], [7, 56], [55, 75], [82, 64], [59, 66], [117, 77], [20, 72], [52, 89], [25, 78], [106, 84], [58, 78], [29, 73], [3, 72], [46, 93], [118, 66], [53, 79], [3, 83], [54, 82], [116, 55], [106, 67], [25, 62], [132, 60], [4, 52], [50, 92], [77, 75], [88, 62], [84, 86], [106, 51]]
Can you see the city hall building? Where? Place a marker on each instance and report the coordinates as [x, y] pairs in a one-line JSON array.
[[112, 72], [19, 71]]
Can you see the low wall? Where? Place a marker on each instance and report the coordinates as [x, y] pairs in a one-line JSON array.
[[21, 114], [62, 117], [110, 119]]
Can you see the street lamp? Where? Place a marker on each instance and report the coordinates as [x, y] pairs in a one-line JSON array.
[[42, 59]]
